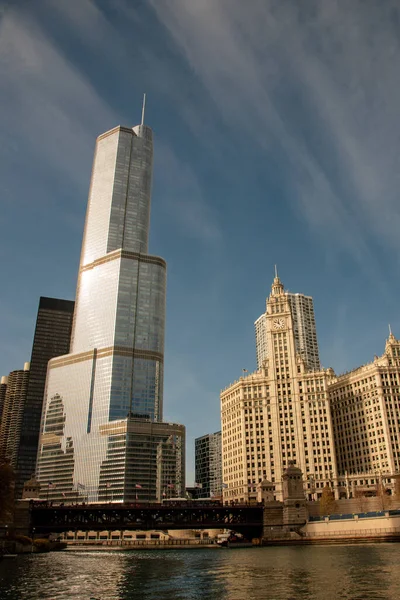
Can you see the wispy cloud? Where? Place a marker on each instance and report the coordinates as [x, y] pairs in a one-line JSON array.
[[259, 62], [88, 23], [184, 199], [52, 110]]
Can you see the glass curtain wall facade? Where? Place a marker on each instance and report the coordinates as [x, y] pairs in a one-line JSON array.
[[208, 465], [114, 372], [52, 338]]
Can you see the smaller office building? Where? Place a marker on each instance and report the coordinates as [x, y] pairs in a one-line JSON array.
[[208, 465]]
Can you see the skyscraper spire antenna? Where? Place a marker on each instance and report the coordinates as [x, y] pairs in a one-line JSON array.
[[390, 330], [143, 108], [276, 271]]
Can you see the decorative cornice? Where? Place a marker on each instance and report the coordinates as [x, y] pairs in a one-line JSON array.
[[144, 258], [70, 359], [115, 130]]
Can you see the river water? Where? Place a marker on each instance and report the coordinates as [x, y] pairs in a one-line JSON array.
[[318, 572]]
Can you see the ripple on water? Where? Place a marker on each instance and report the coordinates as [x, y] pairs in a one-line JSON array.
[[347, 572]]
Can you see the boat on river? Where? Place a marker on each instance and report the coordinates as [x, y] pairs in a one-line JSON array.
[[233, 540]]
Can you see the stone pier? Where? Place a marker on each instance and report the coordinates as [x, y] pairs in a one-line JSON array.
[[285, 519]]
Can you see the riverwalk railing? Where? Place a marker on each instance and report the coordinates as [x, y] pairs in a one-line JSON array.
[[147, 542], [384, 531]]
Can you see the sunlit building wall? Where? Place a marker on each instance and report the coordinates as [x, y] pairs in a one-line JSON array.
[[261, 340], [304, 330], [278, 414], [365, 405], [113, 378], [342, 431]]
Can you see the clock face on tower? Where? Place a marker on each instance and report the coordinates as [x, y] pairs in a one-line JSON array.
[[278, 323]]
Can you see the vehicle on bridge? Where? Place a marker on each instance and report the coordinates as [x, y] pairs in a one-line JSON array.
[[207, 502], [191, 502]]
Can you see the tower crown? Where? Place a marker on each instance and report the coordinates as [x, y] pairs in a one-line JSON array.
[[277, 286], [391, 341]]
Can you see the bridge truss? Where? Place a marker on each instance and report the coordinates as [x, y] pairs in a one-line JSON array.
[[56, 519]]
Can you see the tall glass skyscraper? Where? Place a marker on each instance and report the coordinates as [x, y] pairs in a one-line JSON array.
[[104, 400]]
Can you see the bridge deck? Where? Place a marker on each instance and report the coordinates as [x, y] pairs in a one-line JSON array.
[[48, 519]]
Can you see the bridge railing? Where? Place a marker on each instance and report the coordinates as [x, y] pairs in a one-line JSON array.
[[351, 533]]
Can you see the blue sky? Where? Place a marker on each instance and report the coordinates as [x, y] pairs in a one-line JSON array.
[[277, 140]]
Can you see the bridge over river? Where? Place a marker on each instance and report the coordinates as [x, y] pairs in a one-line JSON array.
[[244, 519]]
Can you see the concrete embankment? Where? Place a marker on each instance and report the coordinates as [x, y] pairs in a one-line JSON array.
[[331, 541], [362, 528]]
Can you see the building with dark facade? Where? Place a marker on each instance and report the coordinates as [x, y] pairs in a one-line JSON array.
[[52, 338], [3, 391], [208, 465], [13, 393]]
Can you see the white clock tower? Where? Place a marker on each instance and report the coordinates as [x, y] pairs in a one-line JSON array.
[[279, 415], [283, 364]]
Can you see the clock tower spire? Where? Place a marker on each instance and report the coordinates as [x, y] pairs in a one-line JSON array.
[[277, 285]]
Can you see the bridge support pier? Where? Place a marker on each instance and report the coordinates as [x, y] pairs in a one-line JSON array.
[[22, 518], [282, 520]]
